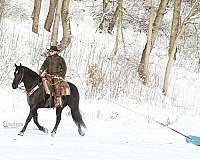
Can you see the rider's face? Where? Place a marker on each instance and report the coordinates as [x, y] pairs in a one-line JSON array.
[[51, 53]]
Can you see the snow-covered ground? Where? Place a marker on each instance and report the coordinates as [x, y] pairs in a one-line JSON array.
[[113, 133], [120, 130]]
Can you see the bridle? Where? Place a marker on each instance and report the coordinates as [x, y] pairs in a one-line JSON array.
[[21, 76], [30, 91], [20, 87]]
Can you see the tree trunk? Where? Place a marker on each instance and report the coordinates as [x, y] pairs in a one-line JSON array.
[[50, 15], [155, 29], [191, 16], [54, 35], [148, 44], [158, 20], [118, 17], [175, 25], [170, 61], [1, 8], [35, 15], [66, 25], [105, 4], [113, 20]]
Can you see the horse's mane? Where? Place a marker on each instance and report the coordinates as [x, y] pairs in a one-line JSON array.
[[32, 73]]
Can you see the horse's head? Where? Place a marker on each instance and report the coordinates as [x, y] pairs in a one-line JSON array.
[[18, 76]]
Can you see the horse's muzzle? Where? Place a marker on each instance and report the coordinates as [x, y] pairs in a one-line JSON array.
[[14, 86]]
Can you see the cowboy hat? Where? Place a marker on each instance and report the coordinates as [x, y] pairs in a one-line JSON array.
[[54, 48]]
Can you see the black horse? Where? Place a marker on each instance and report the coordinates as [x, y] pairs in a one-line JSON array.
[[37, 98]]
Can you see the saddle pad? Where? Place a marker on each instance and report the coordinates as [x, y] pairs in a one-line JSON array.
[[62, 88]]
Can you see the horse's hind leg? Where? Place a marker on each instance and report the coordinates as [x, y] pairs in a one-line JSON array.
[[58, 118], [35, 119]]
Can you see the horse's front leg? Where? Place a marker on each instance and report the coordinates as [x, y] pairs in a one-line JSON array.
[[28, 119], [35, 119], [58, 118], [21, 133]]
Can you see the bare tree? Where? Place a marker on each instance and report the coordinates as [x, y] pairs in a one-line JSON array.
[[149, 43], [105, 4], [175, 24], [155, 30], [66, 39], [57, 9], [54, 35], [1, 7], [107, 21], [193, 14], [35, 15], [118, 18], [115, 17], [50, 16]]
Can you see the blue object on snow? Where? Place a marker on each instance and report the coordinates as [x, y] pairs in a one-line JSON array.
[[193, 139]]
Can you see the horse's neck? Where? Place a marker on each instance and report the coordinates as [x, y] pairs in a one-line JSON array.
[[30, 81]]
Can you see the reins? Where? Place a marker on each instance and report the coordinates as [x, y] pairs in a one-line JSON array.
[[30, 91]]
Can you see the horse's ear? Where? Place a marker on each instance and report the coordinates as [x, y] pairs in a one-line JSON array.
[[15, 65], [20, 64]]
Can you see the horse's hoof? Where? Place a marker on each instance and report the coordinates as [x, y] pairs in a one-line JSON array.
[[53, 134], [82, 133], [45, 130], [20, 133]]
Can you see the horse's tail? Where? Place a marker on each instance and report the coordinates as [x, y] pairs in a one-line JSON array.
[[77, 118], [75, 112]]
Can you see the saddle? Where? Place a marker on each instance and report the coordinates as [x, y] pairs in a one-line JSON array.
[[58, 88]]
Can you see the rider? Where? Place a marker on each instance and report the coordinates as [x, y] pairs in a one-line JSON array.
[[54, 67]]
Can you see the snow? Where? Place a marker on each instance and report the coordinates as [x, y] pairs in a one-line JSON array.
[[113, 132], [101, 142]]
